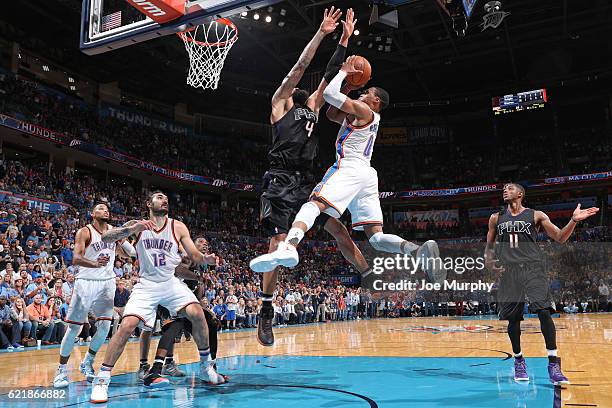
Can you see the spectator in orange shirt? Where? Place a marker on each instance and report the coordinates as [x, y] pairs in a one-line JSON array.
[[40, 316]]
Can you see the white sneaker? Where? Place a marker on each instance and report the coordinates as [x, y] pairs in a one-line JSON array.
[[99, 389], [431, 263], [209, 374], [285, 255], [61, 378], [87, 369]]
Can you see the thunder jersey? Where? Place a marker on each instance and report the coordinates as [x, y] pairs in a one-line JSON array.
[[355, 144], [294, 143], [158, 253], [516, 237], [95, 249]]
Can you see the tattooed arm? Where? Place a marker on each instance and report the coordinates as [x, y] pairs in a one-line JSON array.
[[285, 90], [132, 227]]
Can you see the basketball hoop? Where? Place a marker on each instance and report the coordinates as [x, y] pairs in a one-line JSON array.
[[208, 46]]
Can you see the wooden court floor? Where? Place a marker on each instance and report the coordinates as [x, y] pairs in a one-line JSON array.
[[585, 345]]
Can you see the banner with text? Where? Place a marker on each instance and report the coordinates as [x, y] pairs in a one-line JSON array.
[[32, 203], [135, 117], [420, 219]]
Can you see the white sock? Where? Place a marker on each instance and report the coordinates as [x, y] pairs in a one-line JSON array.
[[88, 358], [519, 355], [552, 353], [294, 236], [61, 367]]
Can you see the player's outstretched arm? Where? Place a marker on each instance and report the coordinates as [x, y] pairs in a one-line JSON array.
[[490, 261], [132, 227], [561, 235], [184, 271], [285, 90], [80, 244], [316, 101], [335, 97]]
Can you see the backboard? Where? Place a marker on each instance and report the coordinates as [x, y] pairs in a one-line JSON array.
[[110, 24]]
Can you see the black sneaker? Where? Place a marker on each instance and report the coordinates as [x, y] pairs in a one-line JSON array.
[[154, 380], [265, 335]]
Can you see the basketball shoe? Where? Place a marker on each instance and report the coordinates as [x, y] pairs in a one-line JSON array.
[[285, 255], [154, 380], [99, 389], [555, 374], [172, 370], [61, 377], [143, 370], [520, 370], [209, 374], [265, 334], [86, 368]]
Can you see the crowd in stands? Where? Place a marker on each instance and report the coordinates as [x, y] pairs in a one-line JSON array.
[[450, 164]]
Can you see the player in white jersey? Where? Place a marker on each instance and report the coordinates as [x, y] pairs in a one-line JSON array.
[[350, 183], [94, 289], [157, 249]]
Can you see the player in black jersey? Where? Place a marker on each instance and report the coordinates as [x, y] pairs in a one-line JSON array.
[[513, 252], [289, 182]]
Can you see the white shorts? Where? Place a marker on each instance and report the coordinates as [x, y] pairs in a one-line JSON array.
[[352, 187], [95, 295], [173, 294]]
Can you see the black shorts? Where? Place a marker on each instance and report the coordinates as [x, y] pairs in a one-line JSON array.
[[283, 193], [164, 316], [520, 283]]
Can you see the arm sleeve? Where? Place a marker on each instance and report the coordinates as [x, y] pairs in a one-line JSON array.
[[129, 249], [332, 93], [334, 64]]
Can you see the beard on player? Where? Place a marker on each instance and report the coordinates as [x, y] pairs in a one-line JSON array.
[[300, 96]]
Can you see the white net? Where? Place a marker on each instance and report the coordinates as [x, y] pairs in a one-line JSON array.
[[208, 46]]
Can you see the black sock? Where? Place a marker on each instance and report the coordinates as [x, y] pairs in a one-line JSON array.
[[514, 332], [93, 353], [169, 358], [157, 365], [548, 329], [552, 359], [266, 301], [143, 361]]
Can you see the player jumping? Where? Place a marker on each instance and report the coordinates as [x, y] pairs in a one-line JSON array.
[[350, 183], [289, 181], [521, 263]]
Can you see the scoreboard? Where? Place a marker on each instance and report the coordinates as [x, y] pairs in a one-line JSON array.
[[520, 101]]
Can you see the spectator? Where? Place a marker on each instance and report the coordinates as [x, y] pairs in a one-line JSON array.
[[232, 305], [122, 294], [41, 318], [9, 334], [23, 323]]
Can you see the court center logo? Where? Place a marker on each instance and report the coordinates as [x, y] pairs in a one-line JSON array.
[[472, 328]]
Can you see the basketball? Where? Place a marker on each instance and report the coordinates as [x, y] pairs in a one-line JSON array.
[[359, 79]]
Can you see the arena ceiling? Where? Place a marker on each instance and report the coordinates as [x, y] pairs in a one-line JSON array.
[[541, 43]]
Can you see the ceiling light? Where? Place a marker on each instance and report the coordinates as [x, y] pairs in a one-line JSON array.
[[283, 12], [356, 32], [268, 19], [281, 23], [244, 14], [256, 16]]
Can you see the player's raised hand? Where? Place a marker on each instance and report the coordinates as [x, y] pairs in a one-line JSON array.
[[143, 225], [580, 214], [330, 20], [348, 25], [349, 65], [211, 259]]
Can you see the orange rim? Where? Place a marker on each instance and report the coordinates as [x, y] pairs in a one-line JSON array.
[[225, 21]]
